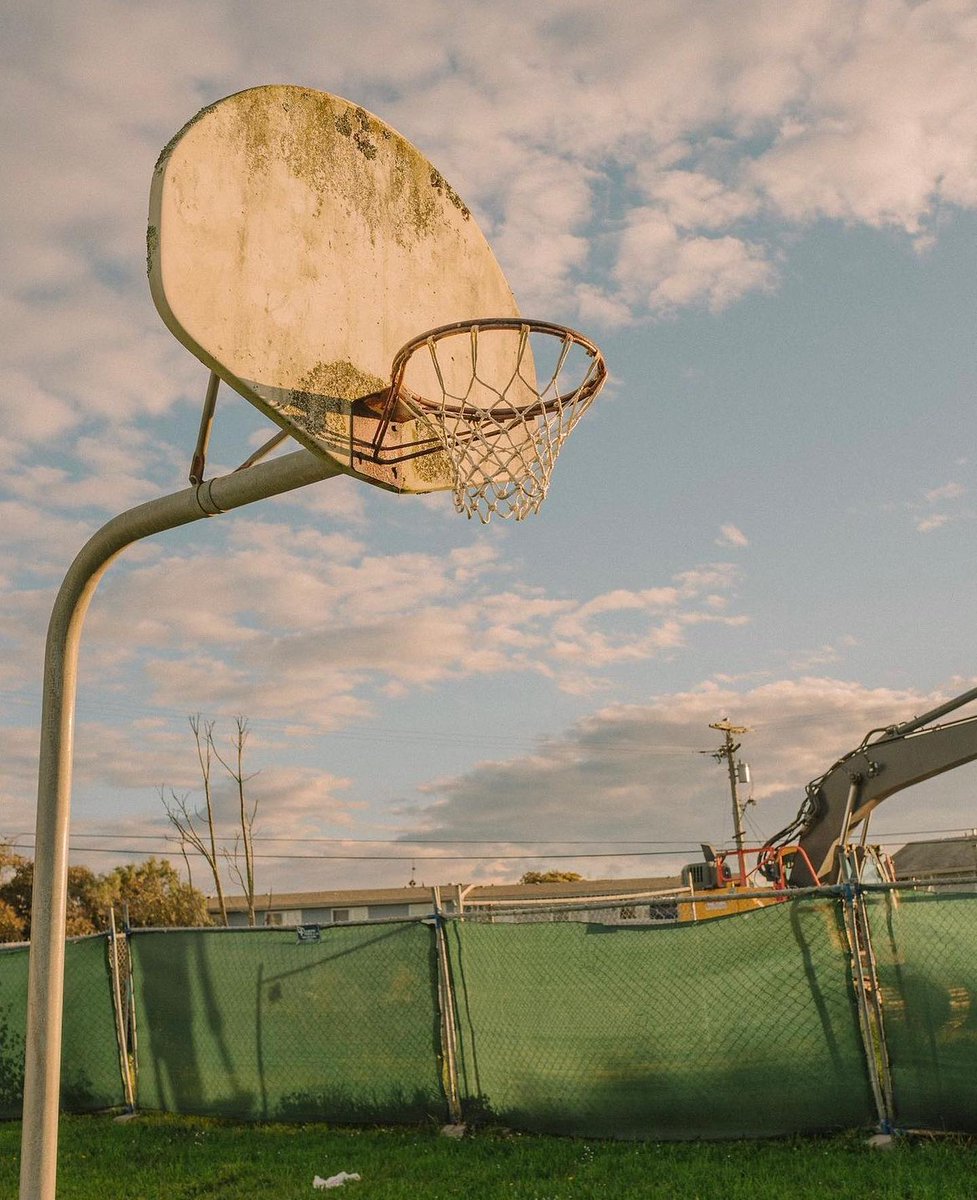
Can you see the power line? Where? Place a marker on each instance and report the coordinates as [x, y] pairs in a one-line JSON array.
[[405, 841], [405, 858], [674, 847]]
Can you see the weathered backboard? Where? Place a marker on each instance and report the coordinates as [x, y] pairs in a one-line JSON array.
[[295, 243]]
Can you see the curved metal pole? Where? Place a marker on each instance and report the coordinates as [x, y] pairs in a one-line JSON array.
[[45, 995]]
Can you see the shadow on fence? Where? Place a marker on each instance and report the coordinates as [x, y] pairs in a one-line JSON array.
[[833, 1010]]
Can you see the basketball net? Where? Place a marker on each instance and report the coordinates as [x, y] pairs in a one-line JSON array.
[[500, 396]]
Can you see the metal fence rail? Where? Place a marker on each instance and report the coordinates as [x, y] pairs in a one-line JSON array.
[[845, 1007]]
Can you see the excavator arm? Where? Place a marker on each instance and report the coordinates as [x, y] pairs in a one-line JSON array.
[[887, 761]]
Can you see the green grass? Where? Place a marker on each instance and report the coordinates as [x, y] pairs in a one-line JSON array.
[[176, 1158]]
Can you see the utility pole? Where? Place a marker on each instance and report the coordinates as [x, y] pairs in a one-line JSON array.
[[726, 751]]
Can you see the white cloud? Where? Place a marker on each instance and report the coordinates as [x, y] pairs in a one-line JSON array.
[[342, 500], [694, 200], [730, 535], [547, 203], [936, 521], [711, 115], [881, 133], [333, 622], [949, 491], [31, 414], [659, 269], [823, 656], [858, 112], [927, 520], [583, 635]]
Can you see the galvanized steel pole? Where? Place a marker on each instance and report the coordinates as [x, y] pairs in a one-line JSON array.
[[42, 1079]]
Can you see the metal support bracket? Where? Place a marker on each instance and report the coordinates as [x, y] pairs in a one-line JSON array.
[[203, 434]]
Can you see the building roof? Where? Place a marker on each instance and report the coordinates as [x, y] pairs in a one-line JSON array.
[[335, 899], [928, 860], [495, 893], [582, 889]]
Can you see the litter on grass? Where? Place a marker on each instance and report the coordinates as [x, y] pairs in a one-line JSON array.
[[334, 1181]]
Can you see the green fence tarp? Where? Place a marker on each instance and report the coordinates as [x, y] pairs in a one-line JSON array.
[[926, 954], [736, 1027], [90, 1077], [258, 1025]]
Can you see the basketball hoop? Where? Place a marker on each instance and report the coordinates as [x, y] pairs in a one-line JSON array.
[[500, 396]]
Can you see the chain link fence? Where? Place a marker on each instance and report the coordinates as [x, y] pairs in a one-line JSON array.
[[258, 1024], [743, 1026], [90, 1074], [925, 947], [850, 1007]]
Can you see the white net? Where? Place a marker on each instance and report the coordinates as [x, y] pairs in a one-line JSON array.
[[501, 397]]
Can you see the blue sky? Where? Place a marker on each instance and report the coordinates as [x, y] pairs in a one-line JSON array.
[[765, 213]]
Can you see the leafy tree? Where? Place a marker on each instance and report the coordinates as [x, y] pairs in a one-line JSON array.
[[11, 925], [155, 894], [82, 906], [550, 877], [153, 891]]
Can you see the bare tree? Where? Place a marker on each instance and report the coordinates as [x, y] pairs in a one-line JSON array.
[[185, 820], [246, 813], [186, 860], [188, 821]]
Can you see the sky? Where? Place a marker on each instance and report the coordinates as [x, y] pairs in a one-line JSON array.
[[764, 212]]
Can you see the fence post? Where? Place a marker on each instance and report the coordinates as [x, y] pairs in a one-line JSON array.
[[120, 1028], [446, 1003], [131, 1031], [866, 984]]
